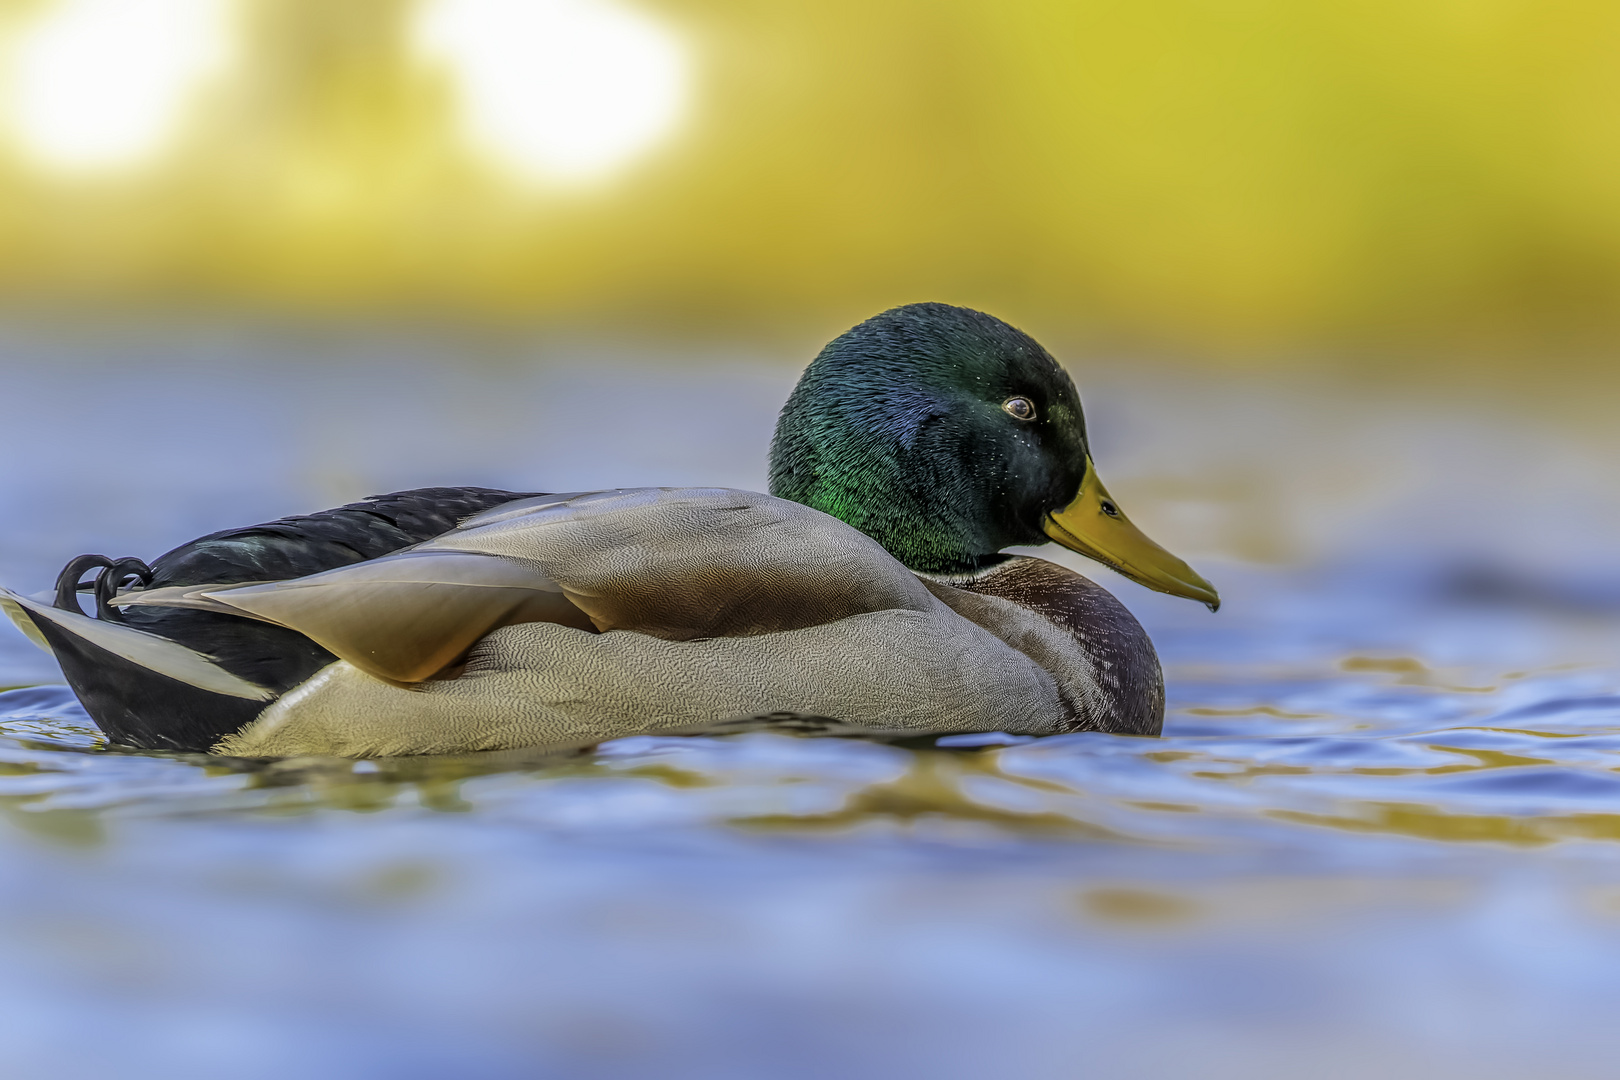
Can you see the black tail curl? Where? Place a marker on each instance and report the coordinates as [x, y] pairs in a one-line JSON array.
[[114, 575]]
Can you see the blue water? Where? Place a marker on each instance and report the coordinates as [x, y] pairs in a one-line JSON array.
[[1380, 837]]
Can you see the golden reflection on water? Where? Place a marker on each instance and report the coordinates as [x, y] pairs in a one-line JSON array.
[[1432, 823], [1412, 672], [931, 790]]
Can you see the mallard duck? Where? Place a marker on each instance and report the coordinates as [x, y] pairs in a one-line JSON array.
[[871, 586]]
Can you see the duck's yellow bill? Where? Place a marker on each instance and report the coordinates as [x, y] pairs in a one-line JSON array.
[[1094, 526]]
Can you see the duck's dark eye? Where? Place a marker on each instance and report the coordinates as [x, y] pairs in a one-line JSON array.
[[1019, 408], [1110, 509]]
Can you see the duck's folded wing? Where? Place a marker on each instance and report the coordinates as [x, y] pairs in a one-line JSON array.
[[402, 618]]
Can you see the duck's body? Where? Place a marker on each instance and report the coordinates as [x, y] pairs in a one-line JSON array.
[[453, 619]]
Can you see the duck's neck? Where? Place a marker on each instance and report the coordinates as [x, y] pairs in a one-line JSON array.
[[930, 523]]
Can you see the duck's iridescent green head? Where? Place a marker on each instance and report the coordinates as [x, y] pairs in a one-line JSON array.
[[947, 435]]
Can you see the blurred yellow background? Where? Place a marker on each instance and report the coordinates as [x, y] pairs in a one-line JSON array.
[[1258, 181]]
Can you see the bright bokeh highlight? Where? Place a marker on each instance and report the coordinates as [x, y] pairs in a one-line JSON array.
[[560, 89], [105, 83]]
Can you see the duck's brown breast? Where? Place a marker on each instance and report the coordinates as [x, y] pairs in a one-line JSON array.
[[1095, 648]]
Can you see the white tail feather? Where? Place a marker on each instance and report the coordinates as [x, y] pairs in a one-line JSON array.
[[145, 650]]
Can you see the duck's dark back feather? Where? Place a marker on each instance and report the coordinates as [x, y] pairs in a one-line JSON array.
[[310, 543], [142, 708]]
